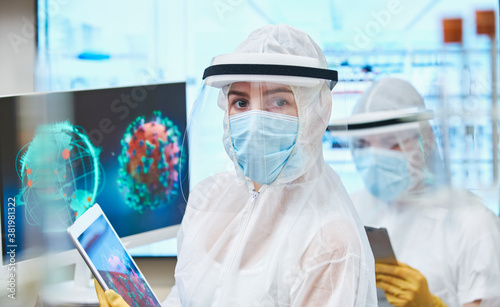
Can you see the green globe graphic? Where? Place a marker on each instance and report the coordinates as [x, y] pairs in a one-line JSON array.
[[60, 174]]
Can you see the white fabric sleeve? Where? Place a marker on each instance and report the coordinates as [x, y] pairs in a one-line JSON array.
[[172, 299], [329, 283], [479, 272], [334, 272]]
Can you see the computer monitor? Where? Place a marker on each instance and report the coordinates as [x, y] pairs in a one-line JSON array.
[[61, 152]]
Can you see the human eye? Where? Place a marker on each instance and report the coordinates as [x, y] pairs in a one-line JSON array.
[[360, 143], [277, 104], [280, 102], [239, 103]]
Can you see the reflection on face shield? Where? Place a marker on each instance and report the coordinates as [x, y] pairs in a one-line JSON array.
[[263, 126]]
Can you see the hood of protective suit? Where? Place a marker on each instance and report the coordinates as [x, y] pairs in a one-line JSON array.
[[417, 143], [314, 103], [429, 215], [387, 95], [296, 241]]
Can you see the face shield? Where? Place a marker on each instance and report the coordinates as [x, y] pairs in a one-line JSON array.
[[395, 152], [269, 110], [395, 141]]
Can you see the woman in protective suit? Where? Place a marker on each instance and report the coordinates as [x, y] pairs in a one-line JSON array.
[[446, 241], [278, 229]]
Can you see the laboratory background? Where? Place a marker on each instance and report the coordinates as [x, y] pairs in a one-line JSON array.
[[156, 51]]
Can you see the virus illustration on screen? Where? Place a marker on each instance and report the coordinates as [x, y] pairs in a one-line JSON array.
[[126, 282], [60, 174], [149, 162]]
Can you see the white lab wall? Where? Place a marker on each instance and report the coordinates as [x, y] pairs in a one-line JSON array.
[[17, 46]]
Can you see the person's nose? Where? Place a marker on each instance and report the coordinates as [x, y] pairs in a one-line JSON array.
[[256, 103]]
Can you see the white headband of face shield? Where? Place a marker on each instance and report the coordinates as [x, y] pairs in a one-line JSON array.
[[379, 122], [268, 67]]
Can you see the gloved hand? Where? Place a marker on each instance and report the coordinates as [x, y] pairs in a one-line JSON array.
[[404, 286], [109, 298]]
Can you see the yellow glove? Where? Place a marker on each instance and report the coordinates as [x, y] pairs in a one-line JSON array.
[[404, 286], [109, 298]]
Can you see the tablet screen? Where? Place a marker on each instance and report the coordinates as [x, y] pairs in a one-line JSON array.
[[116, 268], [381, 245]]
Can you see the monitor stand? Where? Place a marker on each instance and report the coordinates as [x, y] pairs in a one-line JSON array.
[[77, 292]]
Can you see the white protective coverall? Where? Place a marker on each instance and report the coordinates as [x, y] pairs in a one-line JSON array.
[[447, 235], [297, 241]]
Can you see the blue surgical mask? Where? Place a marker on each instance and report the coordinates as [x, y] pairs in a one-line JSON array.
[[384, 172], [263, 142]]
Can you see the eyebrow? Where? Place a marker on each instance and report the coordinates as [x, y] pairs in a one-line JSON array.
[[267, 92], [278, 90], [239, 93]]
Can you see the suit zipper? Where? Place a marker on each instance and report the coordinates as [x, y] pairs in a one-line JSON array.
[[235, 250]]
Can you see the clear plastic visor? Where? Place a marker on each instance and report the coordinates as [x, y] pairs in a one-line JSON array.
[[399, 165], [263, 133], [260, 96], [247, 127]]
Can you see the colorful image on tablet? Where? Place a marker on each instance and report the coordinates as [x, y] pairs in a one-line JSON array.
[[114, 264]]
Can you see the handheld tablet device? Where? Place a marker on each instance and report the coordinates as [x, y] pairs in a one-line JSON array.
[[105, 255], [381, 245]]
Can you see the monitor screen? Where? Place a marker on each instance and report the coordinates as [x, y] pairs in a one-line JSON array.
[[61, 152]]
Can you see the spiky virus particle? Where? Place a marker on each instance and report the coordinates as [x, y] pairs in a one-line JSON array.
[[149, 162]]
